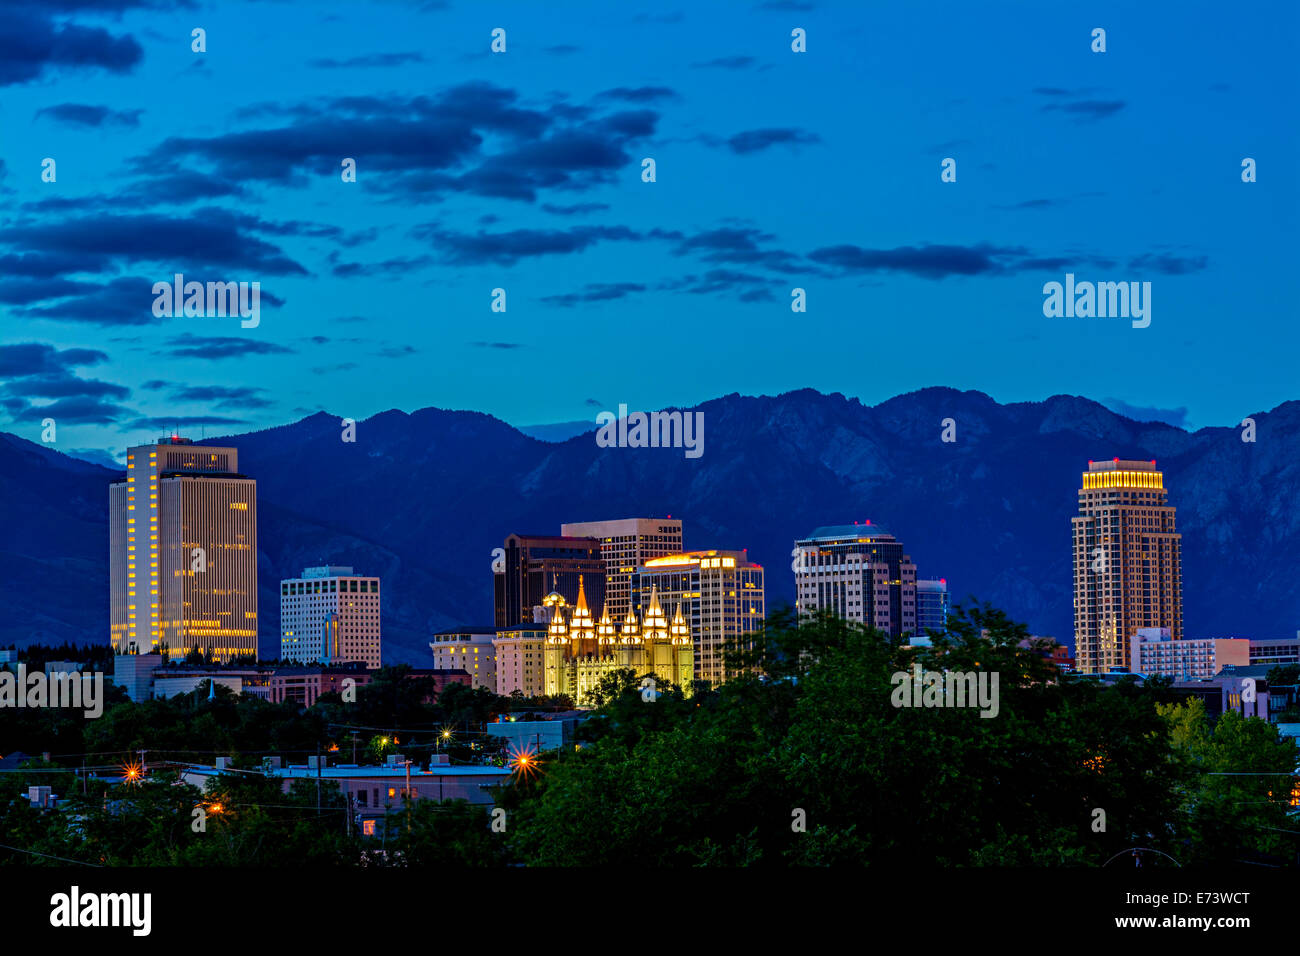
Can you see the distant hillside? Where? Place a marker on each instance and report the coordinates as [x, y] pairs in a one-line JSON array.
[[422, 499]]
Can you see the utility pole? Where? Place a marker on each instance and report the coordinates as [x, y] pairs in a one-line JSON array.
[[318, 778], [354, 746], [408, 794]]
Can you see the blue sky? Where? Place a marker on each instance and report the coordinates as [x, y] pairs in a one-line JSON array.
[[522, 171]]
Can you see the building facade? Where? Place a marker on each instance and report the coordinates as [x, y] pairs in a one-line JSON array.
[[1127, 562], [858, 573], [519, 662], [931, 606], [720, 594], [581, 651], [535, 565], [330, 615], [1155, 652], [183, 552], [625, 545], [470, 649], [1283, 650]]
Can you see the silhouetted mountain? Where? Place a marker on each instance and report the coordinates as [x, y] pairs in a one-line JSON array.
[[421, 499]]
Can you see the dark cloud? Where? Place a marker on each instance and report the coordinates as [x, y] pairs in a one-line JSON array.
[[474, 138], [497, 345], [576, 209], [925, 261], [396, 351], [340, 367], [756, 140], [727, 63], [389, 267], [188, 345], [369, 60], [740, 245], [640, 94], [1033, 204], [64, 386], [507, 248], [1167, 264], [752, 287], [27, 291], [124, 301], [33, 44], [561, 49], [203, 238], [83, 114], [37, 358], [180, 187], [88, 410], [595, 292], [222, 396], [1088, 109], [181, 421]]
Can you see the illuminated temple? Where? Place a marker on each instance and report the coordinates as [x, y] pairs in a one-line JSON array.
[[580, 651]]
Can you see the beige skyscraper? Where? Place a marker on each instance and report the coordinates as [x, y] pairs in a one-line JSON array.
[[625, 545], [719, 593], [183, 551], [1127, 562]]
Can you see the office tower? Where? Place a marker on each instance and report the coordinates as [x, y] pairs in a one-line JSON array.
[[625, 545], [1127, 562], [469, 649], [535, 565], [857, 572], [720, 593], [330, 615], [931, 606], [183, 552], [581, 650]]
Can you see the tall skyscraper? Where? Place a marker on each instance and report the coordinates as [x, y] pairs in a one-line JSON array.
[[931, 606], [721, 594], [1127, 562], [536, 565], [625, 545], [183, 551], [330, 615], [858, 572]]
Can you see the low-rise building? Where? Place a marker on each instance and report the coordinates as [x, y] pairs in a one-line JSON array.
[[469, 649]]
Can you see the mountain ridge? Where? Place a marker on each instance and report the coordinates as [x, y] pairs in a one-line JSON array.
[[422, 498]]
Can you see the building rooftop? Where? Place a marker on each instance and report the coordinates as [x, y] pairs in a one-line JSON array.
[[835, 532]]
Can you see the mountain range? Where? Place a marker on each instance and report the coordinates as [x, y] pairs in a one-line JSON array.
[[422, 498]]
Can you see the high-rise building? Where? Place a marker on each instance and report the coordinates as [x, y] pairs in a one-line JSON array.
[[1127, 562], [183, 552], [535, 565], [858, 572], [330, 615], [721, 594], [931, 606], [625, 545]]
